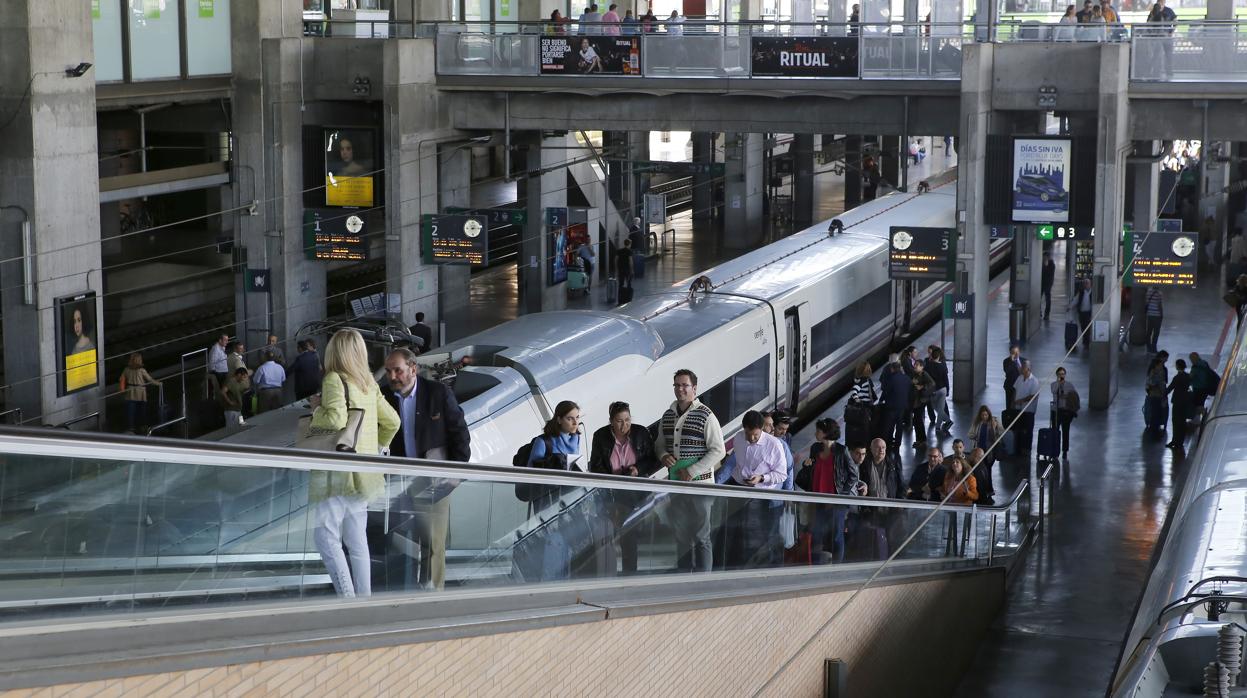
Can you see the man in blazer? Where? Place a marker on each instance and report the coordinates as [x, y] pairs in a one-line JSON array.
[[432, 426], [1012, 366]]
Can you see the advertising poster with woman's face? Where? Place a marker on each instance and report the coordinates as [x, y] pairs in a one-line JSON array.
[[349, 167], [78, 338]]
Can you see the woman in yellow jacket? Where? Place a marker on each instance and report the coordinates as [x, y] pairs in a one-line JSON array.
[[340, 497]]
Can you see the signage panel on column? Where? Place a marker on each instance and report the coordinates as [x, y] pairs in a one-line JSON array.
[[591, 55], [922, 253], [804, 56], [456, 239], [1041, 170], [350, 167], [1162, 258], [76, 343], [334, 235]]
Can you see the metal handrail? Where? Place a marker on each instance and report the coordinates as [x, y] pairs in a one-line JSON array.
[[15, 410], [165, 424], [77, 420], [102, 446]]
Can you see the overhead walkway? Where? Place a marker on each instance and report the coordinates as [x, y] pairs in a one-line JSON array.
[[210, 550]]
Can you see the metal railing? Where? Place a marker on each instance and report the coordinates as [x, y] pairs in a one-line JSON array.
[[1182, 51], [5, 414], [68, 424]]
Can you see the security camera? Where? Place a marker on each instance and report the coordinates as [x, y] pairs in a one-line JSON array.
[[78, 70]]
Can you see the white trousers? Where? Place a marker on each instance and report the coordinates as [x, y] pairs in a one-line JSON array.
[[342, 520]]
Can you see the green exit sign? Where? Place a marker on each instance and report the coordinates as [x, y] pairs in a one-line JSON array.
[[1045, 232]]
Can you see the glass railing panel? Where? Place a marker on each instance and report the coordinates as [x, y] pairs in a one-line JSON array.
[[475, 53], [136, 529], [1193, 53], [908, 56], [694, 56]]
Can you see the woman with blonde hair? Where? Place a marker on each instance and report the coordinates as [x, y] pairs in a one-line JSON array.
[[341, 498], [134, 382]]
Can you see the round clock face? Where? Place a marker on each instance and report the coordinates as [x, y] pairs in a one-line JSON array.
[[902, 240], [354, 224], [1183, 246], [471, 228]]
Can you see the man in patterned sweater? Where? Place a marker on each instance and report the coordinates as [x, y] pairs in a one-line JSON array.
[[689, 443]]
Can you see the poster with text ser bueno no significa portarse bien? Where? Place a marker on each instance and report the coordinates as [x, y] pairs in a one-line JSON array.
[[590, 55]]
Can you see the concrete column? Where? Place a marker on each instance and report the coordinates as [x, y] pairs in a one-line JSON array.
[[1220, 10], [454, 181], [1146, 193], [638, 150], [1112, 146], [803, 180], [268, 133], [891, 157], [615, 146], [704, 185], [1024, 281], [49, 167], [852, 171], [545, 187], [416, 130], [743, 224], [973, 271]]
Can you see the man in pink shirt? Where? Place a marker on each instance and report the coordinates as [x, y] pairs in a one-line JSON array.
[[610, 22], [757, 460]]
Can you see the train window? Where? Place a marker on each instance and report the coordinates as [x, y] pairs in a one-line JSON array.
[[734, 396], [843, 327], [751, 386]]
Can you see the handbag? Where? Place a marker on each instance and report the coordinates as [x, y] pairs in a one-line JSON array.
[[340, 440], [788, 525]]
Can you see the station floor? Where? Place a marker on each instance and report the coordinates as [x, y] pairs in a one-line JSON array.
[[494, 296], [1068, 608]]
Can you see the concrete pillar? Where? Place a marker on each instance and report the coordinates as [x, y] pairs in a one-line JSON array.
[[1146, 194], [49, 169], [268, 141], [973, 270], [615, 147], [454, 181], [1112, 146], [891, 158], [803, 180], [704, 185], [1220, 10], [852, 171], [638, 150], [742, 216], [544, 187], [415, 131]]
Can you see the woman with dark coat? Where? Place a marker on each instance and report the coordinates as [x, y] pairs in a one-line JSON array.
[[623, 449]]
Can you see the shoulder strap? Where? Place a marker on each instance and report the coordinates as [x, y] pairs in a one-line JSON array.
[[346, 390]]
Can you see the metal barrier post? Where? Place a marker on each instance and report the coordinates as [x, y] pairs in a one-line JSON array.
[[991, 541]]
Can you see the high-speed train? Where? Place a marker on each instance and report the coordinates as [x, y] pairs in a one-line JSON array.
[[1199, 583], [781, 327]]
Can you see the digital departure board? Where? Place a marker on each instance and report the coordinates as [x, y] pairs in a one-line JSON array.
[[922, 253], [334, 235], [1162, 258], [456, 239]]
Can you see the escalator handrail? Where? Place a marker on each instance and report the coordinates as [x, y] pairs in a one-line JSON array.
[[99, 446]]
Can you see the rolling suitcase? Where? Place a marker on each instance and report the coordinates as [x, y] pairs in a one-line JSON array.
[[1071, 335], [612, 290], [1049, 446], [1009, 442]]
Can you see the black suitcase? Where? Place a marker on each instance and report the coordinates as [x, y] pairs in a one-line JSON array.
[[625, 295], [1071, 335], [1049, 446]]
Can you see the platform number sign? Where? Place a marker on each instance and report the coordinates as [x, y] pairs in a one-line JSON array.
[[922, 253], [1161, 258], [456, 239]]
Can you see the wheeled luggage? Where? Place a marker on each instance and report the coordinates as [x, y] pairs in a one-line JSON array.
[[612, 290], [1071, 335], [1049, 446]]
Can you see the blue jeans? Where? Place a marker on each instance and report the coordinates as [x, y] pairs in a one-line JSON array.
[[829, 517], [135, 414]]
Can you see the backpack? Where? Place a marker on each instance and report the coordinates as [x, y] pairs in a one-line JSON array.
[[528, 492]]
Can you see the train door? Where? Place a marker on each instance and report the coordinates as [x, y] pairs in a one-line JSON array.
[[903, 315], [795, 347]]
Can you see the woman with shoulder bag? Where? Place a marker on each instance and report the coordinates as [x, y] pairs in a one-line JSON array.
[[341, 498], [829, 470], [985, 430], [860, 412], [545, 554]]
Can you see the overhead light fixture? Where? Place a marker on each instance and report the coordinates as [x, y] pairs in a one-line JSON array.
[[78, 70]]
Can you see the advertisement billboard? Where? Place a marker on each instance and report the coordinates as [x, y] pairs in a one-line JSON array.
[[77, 341], [591, 55], [350, 167], [804, 56], [1041, 187]]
